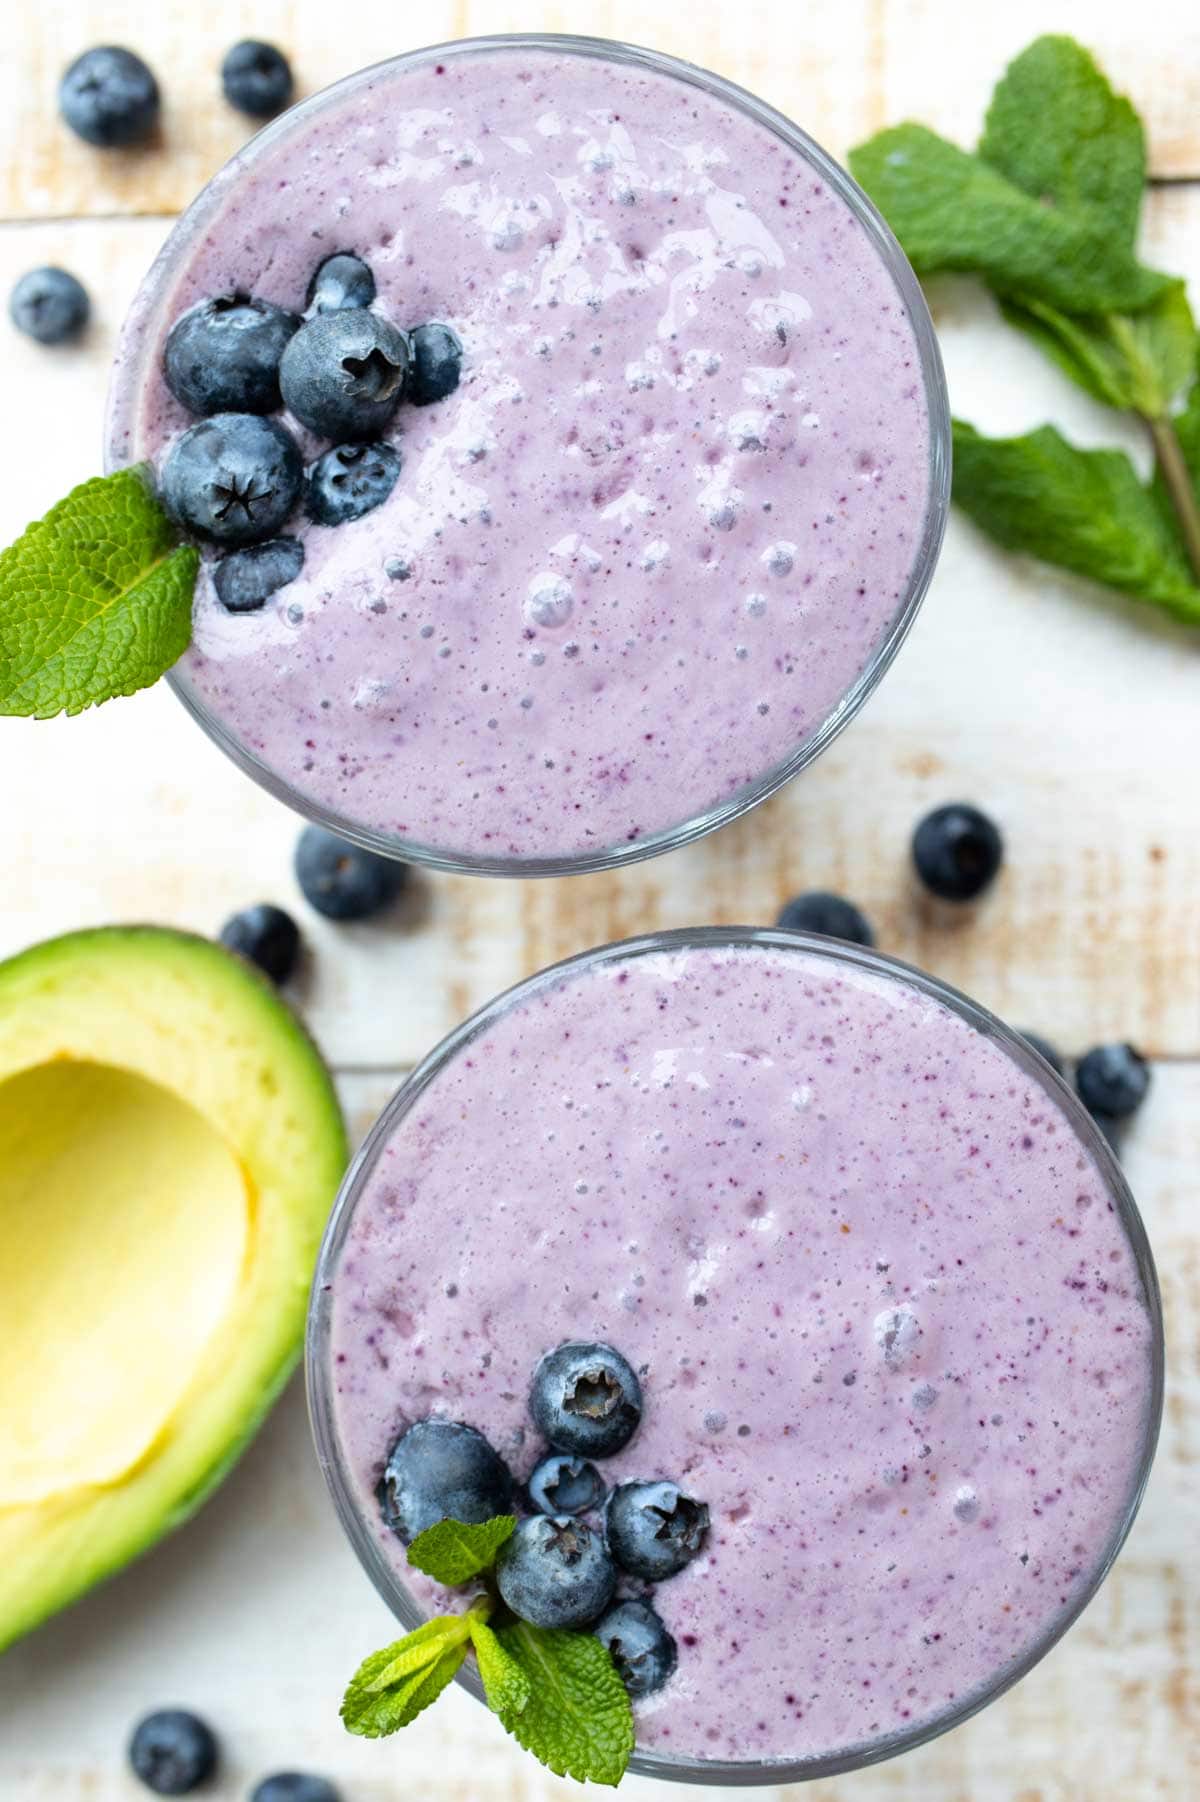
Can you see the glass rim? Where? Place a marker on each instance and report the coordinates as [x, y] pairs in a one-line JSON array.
[[140, 333], [318, 1364]]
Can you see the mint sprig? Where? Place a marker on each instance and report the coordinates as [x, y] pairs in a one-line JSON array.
[[557, 1693], [95, 599], [452, 1552], [1046, 211]]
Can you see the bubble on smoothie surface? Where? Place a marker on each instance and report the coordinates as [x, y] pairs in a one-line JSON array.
[[779, 558], [897, 1334], [549, 601], [966, 1503]]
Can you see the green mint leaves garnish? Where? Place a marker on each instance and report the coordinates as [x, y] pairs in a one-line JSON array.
[[1046, 212], [577, 1720], [452, 1552], [95, 599], [557, 1693]]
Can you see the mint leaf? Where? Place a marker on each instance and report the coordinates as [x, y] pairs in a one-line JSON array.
[[577, 1719], [950, 210], [95, 599], [391, 1687], [1057, 131], [453, 1552], [505, 1682], [1139, 361], [1083, 510]]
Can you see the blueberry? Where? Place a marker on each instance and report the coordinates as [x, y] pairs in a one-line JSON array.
[[830, 915], [233, 478], [173, 1752], [342, 280], [257, 78], [442, 1470], [222, 355], [436, 364], [1112, 1081], [109, 97], [245, 579], [340, 880], [343, 373], [49, 305], [561, 1484], [957, 851], [264, 936], [639, 1645], [586, 1399], [1044, 1049], [349, 481], [294, 1786], [555, 1572], [654, 1529]]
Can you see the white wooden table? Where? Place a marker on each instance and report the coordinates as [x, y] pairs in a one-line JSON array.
[[1073, 718]]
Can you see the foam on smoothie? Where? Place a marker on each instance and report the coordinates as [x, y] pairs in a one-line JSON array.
[[890, 1324], [656, 535]]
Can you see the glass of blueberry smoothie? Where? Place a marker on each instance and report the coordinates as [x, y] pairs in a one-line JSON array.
[[567, 440], [794, 1303]]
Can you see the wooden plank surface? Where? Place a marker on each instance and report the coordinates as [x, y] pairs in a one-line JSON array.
[[1068, 715]]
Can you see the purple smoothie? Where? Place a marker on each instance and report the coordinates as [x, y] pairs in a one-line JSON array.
[[891, 1327], [665, 524]]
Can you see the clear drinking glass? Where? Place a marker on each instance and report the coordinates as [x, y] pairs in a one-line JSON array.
[[319, 1366], [143, 334]]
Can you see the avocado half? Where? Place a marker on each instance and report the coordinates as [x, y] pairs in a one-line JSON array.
[[170, 1146]]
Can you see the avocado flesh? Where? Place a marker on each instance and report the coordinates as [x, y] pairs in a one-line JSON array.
[[170, 1145]]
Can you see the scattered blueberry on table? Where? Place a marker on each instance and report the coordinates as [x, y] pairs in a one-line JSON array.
[[294, 1786], [246, 579], [562, 1484], [342, 280], [173, 1752], [50, 305], [1045, 1050], [1112, 1081], [256, 78], [223, 354], [350, 480], [341, 880], [830, 915], [265, 936], [639, 1645], [586, 1399], [442, 1470], [233, 478], [957, 851], [555, 1572], [109, 97]]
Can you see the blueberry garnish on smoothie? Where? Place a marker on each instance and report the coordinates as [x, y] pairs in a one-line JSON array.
[[436, 364], [246, 579], [222, 355], [343, 373], [556, 1571], [232, 479], [350, 480], [654, 1530], [639, 1645], [586, 1399], [561, 1484], [342, 280], [541, 1582]]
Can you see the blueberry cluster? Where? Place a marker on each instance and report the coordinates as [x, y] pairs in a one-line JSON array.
[[563, 1563], [342, 370]]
